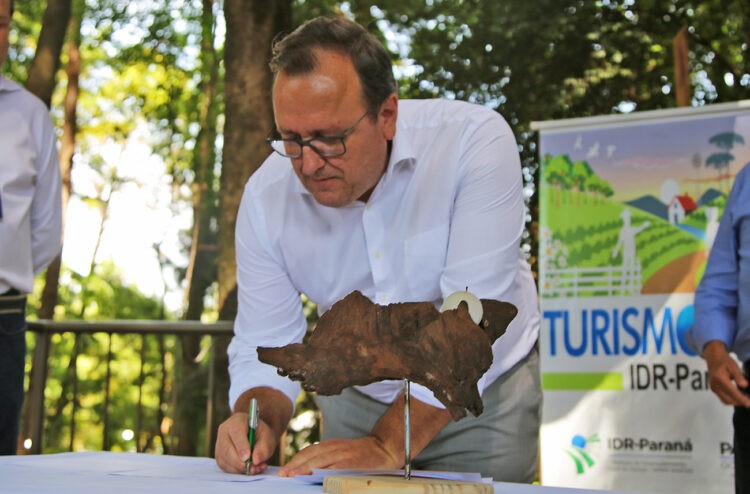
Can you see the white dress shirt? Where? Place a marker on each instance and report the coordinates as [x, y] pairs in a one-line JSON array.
[[447, 214], [31, 223]]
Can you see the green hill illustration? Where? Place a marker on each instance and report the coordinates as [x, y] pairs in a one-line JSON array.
[[593, 246]]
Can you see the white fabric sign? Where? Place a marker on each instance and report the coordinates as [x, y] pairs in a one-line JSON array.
[[628, 210]]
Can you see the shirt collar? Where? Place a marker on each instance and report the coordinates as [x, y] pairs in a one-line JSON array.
[[8, 85], [402, 152]]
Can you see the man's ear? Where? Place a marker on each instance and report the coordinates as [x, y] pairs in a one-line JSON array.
[[387, 116]]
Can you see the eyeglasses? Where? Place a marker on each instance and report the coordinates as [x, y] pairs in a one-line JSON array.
[[325, 146]]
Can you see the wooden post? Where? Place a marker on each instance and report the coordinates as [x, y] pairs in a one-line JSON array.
[[681, 73], [208, 444], [36, 394]]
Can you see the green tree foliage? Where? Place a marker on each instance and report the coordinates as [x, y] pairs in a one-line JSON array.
[[74, 400], [23, 38], [552, 59], [580, 173]]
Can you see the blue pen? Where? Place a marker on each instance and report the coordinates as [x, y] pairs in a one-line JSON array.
[[252, 422]]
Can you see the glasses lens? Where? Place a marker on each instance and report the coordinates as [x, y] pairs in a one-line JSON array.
[[290, 149], [328, 146]]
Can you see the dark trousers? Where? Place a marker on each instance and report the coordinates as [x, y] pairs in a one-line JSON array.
[[741, 450], [741, 422], [12, 359]]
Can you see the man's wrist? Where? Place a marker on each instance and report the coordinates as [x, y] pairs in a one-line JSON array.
[[275, 408], [391, 446]]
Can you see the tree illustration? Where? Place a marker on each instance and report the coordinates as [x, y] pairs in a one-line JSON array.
[[722, 160], [719, 161], [726, 140], [557, 174], [579, 175], [599, 187]]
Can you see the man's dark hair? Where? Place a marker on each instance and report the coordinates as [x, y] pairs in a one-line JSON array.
[[294, 54]]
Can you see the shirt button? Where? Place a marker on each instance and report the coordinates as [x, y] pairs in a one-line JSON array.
[[376, 255]]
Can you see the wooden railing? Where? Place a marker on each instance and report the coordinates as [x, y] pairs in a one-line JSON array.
[[45, 330]]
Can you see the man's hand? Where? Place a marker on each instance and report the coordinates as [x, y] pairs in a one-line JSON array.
[[382, 448], [232, 447], [364, 452], [724, 375]]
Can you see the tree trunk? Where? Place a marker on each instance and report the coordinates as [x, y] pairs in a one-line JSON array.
[[67, 150], [41, 78], [251, 26], [201, 271], [41, 82], [681, 67]]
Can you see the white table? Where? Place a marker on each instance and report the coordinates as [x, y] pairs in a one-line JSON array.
[[133, 473]]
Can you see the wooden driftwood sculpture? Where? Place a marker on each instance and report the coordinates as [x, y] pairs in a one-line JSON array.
[[358, 342]]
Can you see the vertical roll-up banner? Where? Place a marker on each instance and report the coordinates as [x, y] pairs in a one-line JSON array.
[[629, 207]]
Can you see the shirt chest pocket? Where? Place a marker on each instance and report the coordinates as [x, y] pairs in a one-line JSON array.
[[424, 260]]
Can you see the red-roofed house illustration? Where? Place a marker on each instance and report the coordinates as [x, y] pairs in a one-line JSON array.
[[680, 206]]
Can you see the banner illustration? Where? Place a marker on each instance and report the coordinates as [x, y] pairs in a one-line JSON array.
[[629, 207]]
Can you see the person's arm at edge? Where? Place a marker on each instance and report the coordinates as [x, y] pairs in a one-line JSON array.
[[382, 448], [232, 446], [716, 303], [716, 298]]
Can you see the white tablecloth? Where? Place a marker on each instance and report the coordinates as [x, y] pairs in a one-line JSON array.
[[133, 473]]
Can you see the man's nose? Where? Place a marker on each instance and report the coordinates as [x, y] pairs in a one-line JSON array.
[[311, 161]]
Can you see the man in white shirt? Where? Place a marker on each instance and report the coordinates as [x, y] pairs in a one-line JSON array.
[[404, 201], [30, 225]]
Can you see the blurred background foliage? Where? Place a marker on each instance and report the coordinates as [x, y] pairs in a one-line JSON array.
[[154, 72]]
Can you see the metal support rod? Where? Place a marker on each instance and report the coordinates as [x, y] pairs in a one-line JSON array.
[[407, 430]]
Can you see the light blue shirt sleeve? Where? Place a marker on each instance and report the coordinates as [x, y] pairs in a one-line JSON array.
[[721, 300]]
